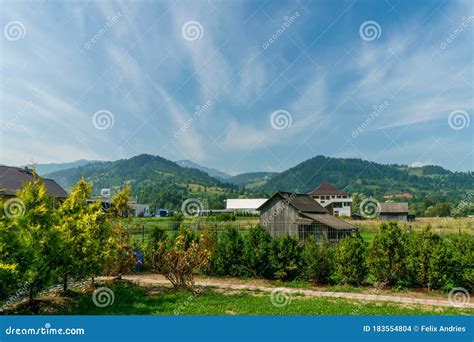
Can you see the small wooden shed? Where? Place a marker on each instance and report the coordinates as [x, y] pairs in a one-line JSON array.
[[301, 216], [391, 211]]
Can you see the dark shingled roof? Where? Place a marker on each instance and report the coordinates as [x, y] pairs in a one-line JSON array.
[[13, 178], [301, 202], [327, 189], [330, 221], [394, 208]]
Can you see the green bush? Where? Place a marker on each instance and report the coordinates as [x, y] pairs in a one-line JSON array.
[[286, 257], [318, 261], [256, 253], [427, 260], [462, 261], [349, 261], [386, 255], [229, 253]]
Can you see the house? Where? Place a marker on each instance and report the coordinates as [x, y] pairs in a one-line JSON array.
[[246, 205], [301, 216], [337, 202], [12, 179], [391, 211], [140, 210]]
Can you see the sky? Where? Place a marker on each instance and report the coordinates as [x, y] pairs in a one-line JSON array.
[[238, 85]]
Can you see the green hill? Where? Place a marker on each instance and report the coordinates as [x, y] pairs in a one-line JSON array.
[[251, 179]]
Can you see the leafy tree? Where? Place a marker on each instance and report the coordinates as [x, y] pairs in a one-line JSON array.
[[256, 252], [386, 255], [120, 203], [286, 257], [318, 260], [349, 261], [461, 249]]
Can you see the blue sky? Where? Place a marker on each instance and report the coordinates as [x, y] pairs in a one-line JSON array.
[[238, 85]]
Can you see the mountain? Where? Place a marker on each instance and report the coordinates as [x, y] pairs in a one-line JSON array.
[[251, 180], [153, 179], [43, 169], [210, 171], [427, 183]]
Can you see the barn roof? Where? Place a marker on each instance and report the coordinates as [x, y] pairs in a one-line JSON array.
[[393, 208], [244, 203], [327, 189], [328, 220], [301, 202], [13, 178]]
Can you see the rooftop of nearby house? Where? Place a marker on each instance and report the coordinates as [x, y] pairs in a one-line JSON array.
[[301, 202], [393, 208], [327, 189], [13, 178]]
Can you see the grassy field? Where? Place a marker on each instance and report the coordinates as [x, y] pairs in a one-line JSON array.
[[131, 299]]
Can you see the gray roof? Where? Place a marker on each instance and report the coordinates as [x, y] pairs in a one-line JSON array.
[[13, 178], [301, 202], [330, 221], [394, 208]]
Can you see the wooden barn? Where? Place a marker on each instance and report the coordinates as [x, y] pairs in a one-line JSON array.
[[300, 215], [391, 211]]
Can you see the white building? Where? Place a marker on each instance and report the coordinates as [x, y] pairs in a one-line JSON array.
[[247, 205], [140, 210], [336, 201]]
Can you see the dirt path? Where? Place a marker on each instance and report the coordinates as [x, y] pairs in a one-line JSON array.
[[265, 286]]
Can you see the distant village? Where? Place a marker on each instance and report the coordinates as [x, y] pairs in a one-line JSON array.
[[318, 213]]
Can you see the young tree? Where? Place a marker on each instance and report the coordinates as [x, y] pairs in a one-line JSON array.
[[120, 203], [349, 261], [318, 260], [229, 253], [256, 252], [286, 257], [83, 230], [386, 255], [36, 235]]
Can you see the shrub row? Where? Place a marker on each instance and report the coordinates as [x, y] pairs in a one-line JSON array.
[[394, 257]]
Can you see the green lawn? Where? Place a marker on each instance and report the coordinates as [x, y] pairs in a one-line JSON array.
[[131, 299]]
